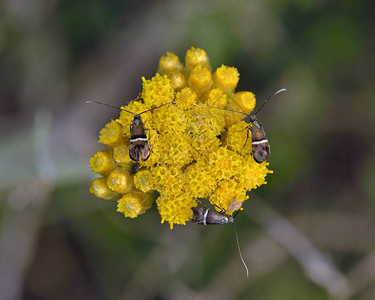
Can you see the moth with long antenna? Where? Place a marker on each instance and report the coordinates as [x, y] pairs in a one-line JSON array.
[[139, 146], [204, 216], [261, 146]]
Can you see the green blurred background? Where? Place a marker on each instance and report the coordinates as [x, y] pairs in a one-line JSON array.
[[307, 234]]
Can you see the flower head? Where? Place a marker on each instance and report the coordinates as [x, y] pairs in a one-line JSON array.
[[196, 152]]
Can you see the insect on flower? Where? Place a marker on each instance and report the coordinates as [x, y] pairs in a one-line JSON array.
[[139, 146], [261, 146], [204, 216]]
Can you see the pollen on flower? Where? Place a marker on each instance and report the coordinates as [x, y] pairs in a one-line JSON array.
[[196, 152]]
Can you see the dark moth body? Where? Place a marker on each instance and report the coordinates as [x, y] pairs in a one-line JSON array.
[[139, 148], [261, 147], [205, 216]]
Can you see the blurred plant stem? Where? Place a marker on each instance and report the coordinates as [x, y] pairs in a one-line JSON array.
[[23, 215], [316, 265]]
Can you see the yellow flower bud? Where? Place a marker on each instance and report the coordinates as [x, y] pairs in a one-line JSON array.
[[245, 101], [112, 135], [178, 80], [145, 181], [242, 102], [120, 181], [226, 78], [135, 203], [168, 63], [157, 90], [121, 155], [200, 79], [102, 162], [217, 98], [100, 189], [195, 57]]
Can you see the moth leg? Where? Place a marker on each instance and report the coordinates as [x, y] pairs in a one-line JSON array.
[[149, 142], [222, 210], [247, 135], [236, 213], [243, 129]]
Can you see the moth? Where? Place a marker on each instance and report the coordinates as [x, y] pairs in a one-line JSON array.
[[139, 145], [205, 216], [261, 147]]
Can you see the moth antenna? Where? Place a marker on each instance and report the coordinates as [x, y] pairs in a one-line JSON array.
[[239, 250], [239, 112], [119, 108], [269, 98], [165, 103], [251, 182]]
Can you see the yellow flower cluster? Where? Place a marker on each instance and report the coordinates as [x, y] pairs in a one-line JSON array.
[[197, 152]]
